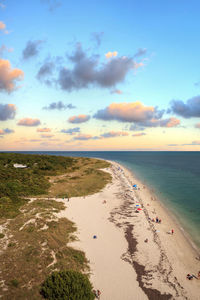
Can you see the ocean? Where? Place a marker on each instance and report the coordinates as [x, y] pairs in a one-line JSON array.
[[174, 177]]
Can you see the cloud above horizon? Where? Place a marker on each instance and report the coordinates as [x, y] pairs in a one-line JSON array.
[[3, 49], [116, 91], [8, 76], [168, 123], [2, 5], [87, 71], [44, 130], [52, 4], [7, 111], [137, 113], [59, 106], [29, 122], [32, 49], [186, 110], [111, 54], [46, 70], [140, 52], [46, 135], [3, 27], [71, 131], [128, 112], [6, 131], [112, 134], [139, 134], [97, 37], [79, 119], [109, 134], [83, 137]]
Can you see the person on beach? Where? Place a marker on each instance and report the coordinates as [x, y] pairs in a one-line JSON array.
[[172, 231], [95, 293], [199, 275], [98, 294], [156, 219], [189, 276]]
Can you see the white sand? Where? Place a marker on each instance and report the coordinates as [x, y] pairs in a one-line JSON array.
[[114, 269]]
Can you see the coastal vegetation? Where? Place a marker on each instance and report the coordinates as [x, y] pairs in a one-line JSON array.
[[34, 241], [53, 176], [70, 285]]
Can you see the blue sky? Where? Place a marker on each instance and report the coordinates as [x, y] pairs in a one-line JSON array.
[[165, 68]]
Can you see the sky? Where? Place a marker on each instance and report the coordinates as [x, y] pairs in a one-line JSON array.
[[100, 75]]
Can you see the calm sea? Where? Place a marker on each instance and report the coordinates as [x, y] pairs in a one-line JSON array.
[[174, 176]]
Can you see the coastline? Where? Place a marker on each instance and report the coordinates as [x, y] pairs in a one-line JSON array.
[[119, 257], [167, 209]]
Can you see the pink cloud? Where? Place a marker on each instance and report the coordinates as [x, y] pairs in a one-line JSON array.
[[126, 112], [43, 130], [197, 125], [79, 119], [116, 91], [8, 76], [137, 113], [139, 134], [114, 134], [83, 137], [2, 25], [173, 122], [46, 136], [29, 122], [111, 54]]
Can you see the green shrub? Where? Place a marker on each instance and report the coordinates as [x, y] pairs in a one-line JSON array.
[[14, 282], [67, 285], [2, 235]]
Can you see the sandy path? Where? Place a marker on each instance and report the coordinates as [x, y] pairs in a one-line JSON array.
[[122, 265]]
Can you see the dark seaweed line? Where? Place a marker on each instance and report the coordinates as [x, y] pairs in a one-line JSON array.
[[125, 211]]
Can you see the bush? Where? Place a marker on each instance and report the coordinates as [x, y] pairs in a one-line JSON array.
[[67, 285], [14, 282]]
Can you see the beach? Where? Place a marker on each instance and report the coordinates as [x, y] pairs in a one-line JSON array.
[[122, 264]]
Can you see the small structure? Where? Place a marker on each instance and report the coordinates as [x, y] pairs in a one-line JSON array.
[[19, 166]]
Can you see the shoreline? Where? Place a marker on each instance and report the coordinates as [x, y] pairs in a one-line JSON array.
[[119, 257], [167, 209]]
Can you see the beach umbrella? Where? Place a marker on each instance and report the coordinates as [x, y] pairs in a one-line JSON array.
[[139, 209], [137, 205], [135, 185]]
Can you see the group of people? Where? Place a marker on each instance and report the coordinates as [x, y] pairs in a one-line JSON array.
[[157, 220], [97, 293], [191, 276]]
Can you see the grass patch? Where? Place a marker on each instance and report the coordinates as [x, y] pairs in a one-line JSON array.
[[46, 175], [29, 255], [9, 208], [38, 241], [14, 283], [86, 179]]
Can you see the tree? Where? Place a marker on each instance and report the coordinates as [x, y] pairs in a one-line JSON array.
[[67, 285]]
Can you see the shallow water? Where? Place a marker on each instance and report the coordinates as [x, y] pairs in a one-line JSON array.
[[174, 176]]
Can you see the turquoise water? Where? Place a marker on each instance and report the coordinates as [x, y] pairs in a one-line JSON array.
[[174, 176]]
